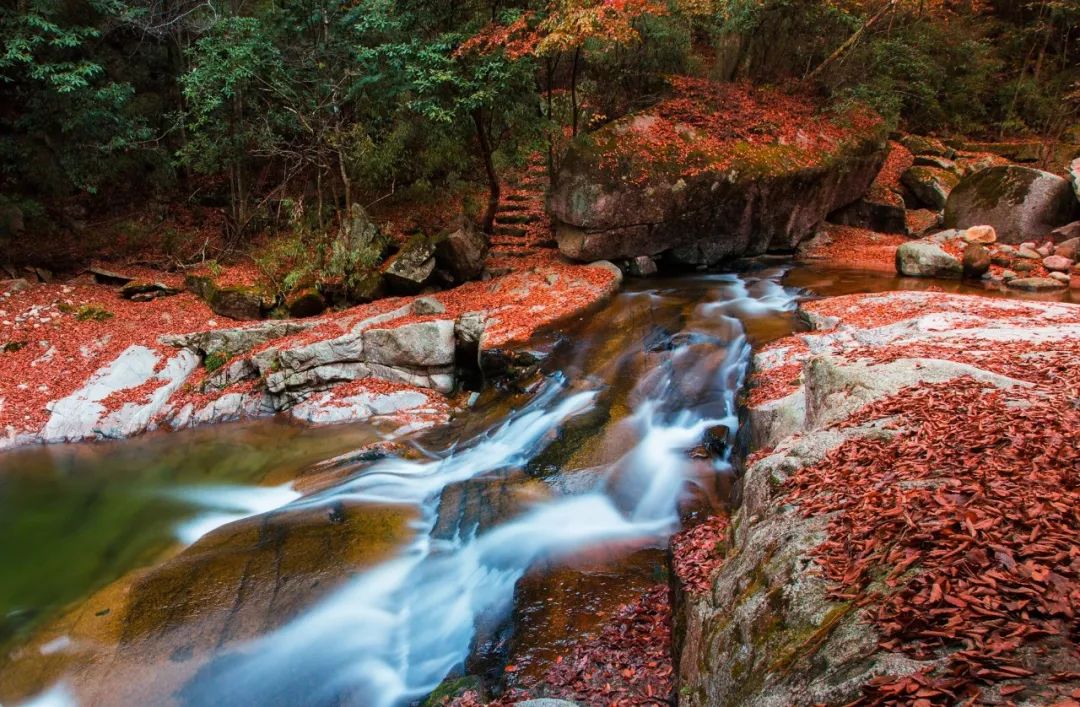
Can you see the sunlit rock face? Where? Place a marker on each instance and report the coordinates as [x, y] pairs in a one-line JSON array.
[[693, 177]]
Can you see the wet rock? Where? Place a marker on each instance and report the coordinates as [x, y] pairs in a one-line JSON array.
[[108, 277], [738, 209], [976, 261], [983, 235], [421, 344], [1061, 277], [462, 251], [305, 303], [641, 266], [1057, 263], [922, 259], [411, 268], [1020, 203], [930, 185], [146, 291], [1035, 284]]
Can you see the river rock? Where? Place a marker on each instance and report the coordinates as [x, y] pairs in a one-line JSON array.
[[936, 162], [1069, 249], [1035, 284], [462, 251], [923, 259], [930, 185], [921, 145], [1019, 202], [881, 210], [976, 260], [643, 206], [83, 414], [422, 344], [984, 235], [427, 305], [641, 266], [411, 268], [1057, 263], [234, 301], [230, 342], [1061, 277]]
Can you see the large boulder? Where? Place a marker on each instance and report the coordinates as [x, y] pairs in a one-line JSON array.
[[1022, 204], [925, 259], [234, 301], [422, 344], [930, 185], [462, 251], [651, 183], [410, 270]]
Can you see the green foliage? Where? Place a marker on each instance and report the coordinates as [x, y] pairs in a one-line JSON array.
[[215, 361]]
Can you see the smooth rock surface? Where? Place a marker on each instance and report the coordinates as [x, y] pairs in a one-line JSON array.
[[923, 259], [1019, 202]]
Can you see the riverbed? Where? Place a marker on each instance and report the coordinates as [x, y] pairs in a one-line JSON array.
[[270, 563]]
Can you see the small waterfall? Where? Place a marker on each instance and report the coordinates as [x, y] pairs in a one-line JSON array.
[[393, 633]]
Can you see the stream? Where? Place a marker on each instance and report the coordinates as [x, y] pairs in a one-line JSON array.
[[265, 563]]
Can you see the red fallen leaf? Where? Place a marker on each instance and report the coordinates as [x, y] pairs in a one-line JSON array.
[[510, 669]]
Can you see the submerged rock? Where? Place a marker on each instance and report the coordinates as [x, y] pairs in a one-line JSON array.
[[1019, 202]]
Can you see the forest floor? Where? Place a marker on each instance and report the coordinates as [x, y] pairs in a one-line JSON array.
[[57, 334]]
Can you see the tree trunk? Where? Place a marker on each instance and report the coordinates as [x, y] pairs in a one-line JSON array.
[[488, 221]]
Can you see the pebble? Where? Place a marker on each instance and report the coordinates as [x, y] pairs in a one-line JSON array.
[[1008, 275], [1029, 253], [1060, 277], [1030, 245]]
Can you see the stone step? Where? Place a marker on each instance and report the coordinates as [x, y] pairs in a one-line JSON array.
[[519, 197], [510, 231], [513, 207], [519, 218]]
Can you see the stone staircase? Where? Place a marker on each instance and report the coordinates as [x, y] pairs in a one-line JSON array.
[[522, 224]]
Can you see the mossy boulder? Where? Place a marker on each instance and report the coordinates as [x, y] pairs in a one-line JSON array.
[[1022, 204], [700, 196], [930, 185], [234, 301]]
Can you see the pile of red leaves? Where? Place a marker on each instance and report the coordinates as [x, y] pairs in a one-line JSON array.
[[970, 517], [707, 126], [698, 552], [851, 247], [628, 663]]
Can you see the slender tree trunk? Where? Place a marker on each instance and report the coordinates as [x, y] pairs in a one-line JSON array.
[[488, 221]]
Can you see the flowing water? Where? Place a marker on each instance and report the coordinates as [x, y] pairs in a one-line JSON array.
[[261, 564]]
